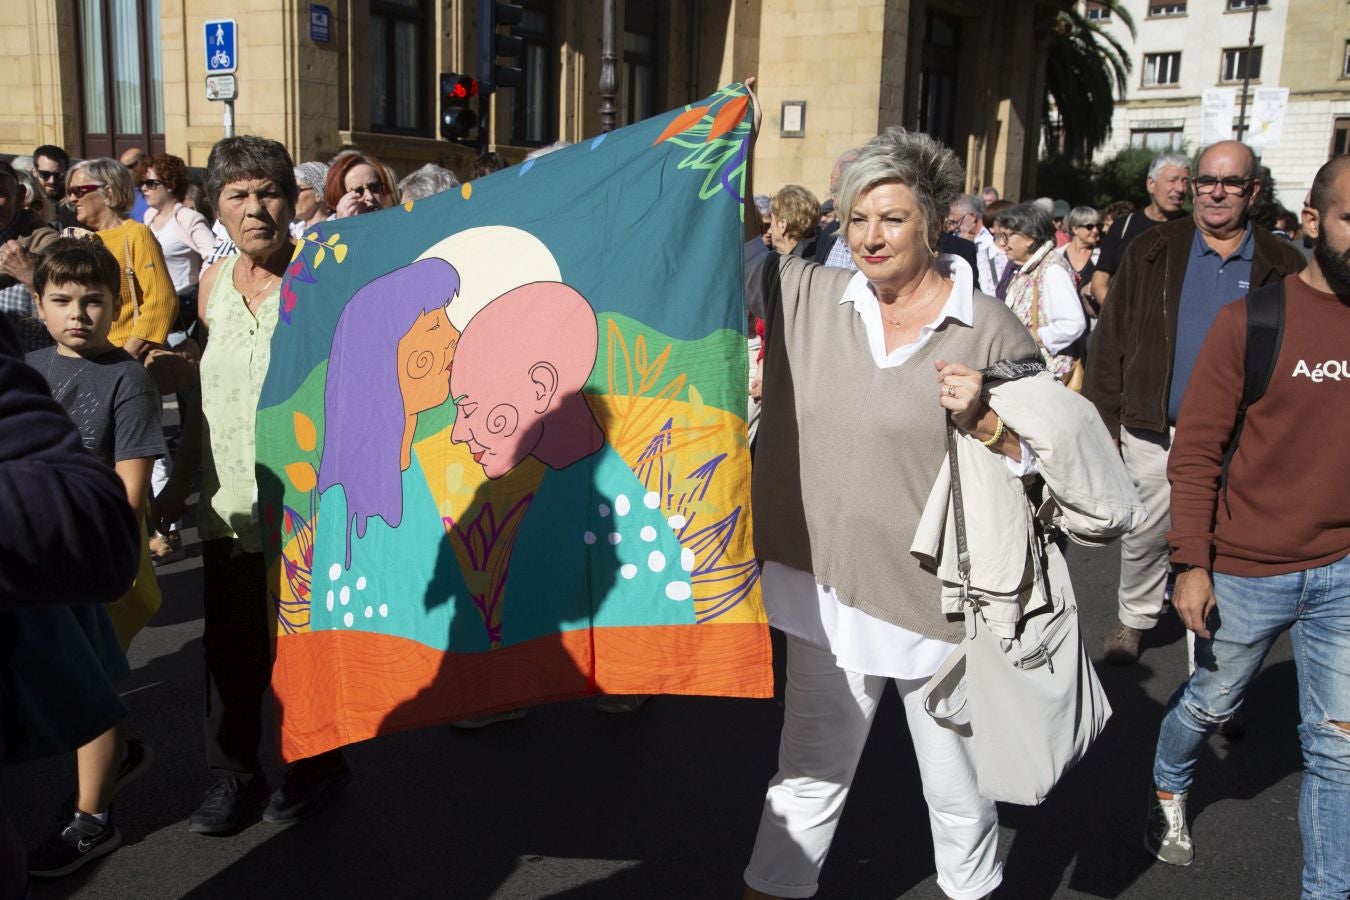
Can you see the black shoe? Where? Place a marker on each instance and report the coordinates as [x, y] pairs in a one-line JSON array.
[[228, 805], [309, 784], [82, 840]]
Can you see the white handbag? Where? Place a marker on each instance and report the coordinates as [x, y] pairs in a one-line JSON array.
[[1033, 703]]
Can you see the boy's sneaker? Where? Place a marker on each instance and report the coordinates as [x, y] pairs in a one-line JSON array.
[[309, 784], [1167, 836], [80, 841], [228, 805]]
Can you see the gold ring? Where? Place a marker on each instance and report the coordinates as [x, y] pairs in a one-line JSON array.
[[951, 390]]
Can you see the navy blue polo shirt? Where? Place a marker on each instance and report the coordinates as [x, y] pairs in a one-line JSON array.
[[1211, 282]]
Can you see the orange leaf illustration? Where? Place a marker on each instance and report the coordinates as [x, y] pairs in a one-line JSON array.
[[302, 476], [728, 117], [683, 122], [305, 434]]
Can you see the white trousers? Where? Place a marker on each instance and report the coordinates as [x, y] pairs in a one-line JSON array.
[[1143, 552], [829, 713]]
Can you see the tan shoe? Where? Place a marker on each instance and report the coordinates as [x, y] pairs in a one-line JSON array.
[[1122, 645], [166, 548]]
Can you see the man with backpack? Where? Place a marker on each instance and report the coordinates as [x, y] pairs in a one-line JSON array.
[[1171, 284], [1261, 534]]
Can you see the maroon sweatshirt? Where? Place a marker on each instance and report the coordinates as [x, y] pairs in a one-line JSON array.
[[1287, 503]]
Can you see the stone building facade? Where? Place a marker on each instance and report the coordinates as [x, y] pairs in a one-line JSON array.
[[105, 75]]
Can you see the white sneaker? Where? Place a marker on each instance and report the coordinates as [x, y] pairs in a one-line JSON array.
[[1166, 835]]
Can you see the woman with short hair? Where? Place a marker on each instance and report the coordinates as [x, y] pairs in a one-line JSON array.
[[183, 235], [863, 370], [1042, 292], [101, 193], [358, 183], [252, 182], [794, 218]]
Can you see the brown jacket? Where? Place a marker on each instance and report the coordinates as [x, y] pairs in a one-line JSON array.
[[33, 235], [1129, 369]]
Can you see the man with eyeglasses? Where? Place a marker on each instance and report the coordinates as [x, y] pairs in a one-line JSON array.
[[965, 219], [50, 164], [1170, 286]]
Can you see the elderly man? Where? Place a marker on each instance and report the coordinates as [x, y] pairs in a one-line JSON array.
[[1269, 551], [1170, 286], [1168, 175], [989, 195], [966, 220]]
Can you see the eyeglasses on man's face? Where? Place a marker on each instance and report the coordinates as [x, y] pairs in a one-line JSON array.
[[57, 176], [77, 191], [1205, 184]]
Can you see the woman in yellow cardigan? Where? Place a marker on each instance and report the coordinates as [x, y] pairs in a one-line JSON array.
[[101, 193]]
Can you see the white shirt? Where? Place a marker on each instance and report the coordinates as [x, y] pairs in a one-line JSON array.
[[1062, 319], [181, 257], [796, 604], [989, 269]]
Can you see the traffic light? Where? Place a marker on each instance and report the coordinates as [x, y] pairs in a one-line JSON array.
[[458, 93], [497, 52]]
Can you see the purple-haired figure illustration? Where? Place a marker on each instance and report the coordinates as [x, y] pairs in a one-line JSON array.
[[390, 360]]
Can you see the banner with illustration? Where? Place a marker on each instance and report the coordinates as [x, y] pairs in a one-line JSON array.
[[501, 444]]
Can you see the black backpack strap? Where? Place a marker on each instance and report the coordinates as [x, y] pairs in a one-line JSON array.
[[1265, 333]]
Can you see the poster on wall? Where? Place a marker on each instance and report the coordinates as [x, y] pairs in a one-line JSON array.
[[1217, 111], [1266, 117]]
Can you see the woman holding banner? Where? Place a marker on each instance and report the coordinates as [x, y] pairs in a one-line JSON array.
[[868, 363]]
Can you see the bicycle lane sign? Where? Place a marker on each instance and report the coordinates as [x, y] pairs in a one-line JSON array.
[[222, 50]]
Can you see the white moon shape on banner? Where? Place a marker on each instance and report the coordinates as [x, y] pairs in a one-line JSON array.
[[491, 260]]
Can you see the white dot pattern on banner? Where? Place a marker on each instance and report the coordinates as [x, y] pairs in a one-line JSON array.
[[687, 559], [330, 601], [361, 583], [384, 610], [652, 500], [348, 619], [648, 533], [676, 521], [615, 537], [346, 595], [656, 560], [679, 590], [628, 570], [334, 572], [604, 510], [621, 505], [370, 611], [589, 537]]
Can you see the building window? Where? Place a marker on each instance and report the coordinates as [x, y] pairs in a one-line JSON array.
[[120, 47], [1345, 62], [1161, 69], [398, 69], [532, 121], [1158, 9], [1097, 11], [937, 76], [1246, 4], [1340, 137], [1237, 66], [1157, 138], [639, 61]]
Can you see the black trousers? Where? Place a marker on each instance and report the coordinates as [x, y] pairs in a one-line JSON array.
[[238, 644]]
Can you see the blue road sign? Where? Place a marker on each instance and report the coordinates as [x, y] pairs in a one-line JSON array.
[[222, 50], [320, 22]]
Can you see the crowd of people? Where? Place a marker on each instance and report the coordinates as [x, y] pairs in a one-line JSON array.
[[876, 315]]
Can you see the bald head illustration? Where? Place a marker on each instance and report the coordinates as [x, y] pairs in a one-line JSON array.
[[519, 371]]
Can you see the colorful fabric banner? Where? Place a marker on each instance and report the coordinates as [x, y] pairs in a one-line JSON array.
[[501, 445]]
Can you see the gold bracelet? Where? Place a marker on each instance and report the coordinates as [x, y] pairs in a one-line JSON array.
[[998, 433]]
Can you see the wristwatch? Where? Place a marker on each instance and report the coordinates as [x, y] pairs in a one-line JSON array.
[[1178, 568]]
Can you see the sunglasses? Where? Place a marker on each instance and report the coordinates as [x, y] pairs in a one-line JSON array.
[[1095, 226], [79, 190], [149, 183], [375, 188], [50, 176]]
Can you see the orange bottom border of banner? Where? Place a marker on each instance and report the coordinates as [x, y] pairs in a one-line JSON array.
[[338, 687]]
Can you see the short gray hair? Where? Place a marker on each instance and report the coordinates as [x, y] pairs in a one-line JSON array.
[[1082, 215], [1029, 219], [115, 177], [428, 180], [546, 150], [915, 160], [1163, 160], [312, 175], [249, 156], [970, 203]]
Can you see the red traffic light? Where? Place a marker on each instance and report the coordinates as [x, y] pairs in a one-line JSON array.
[[461, 88]]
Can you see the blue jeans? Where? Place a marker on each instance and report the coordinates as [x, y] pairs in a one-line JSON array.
[[1251, 612]]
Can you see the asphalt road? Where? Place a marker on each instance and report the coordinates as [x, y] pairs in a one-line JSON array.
[[663, 802]]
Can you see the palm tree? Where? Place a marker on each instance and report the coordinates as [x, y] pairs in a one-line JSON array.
[[1086, 68]]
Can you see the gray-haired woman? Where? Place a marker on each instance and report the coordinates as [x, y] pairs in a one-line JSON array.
[[252, 182], [1043, 292], [1081, 252], [310, 209], [861, 371]]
